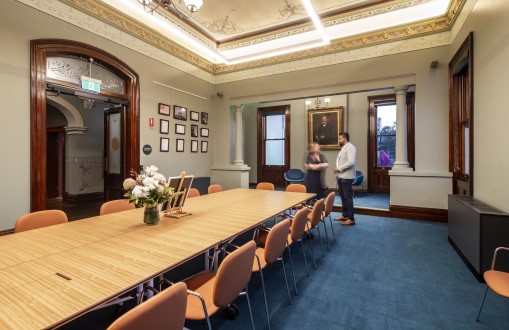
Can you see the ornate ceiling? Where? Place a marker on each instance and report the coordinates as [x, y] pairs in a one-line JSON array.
[[231, 35]]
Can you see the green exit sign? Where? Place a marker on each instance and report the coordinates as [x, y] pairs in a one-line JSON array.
[[90, 84]]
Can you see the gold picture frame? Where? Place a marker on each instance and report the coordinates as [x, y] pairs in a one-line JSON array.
[[324, 126]]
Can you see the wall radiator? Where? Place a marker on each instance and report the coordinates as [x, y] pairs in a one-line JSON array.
[[475, 230]]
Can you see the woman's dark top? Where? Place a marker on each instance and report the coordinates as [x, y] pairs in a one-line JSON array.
[[314, 178]]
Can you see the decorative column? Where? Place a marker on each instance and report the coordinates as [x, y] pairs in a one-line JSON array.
[[238, 136], [401, 163]]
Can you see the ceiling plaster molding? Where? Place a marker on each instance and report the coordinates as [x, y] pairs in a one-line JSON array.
[[391, 48], [131, 34]]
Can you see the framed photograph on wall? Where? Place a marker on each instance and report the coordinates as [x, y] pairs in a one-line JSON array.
[[324, 126], [179, 113], [194, 116], [180, 129], [204, 132], [204, 118], [180, 145], [204, 146], [164, 145], [164, 126], [194, 130], [194, 145], [164, 109]]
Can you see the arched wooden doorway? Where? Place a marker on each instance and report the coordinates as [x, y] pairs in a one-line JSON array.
[[40, 50]]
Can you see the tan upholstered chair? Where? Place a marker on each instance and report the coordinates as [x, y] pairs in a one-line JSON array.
[[40, 219], [212, 292], [193, 192], [273, 251], [166, 310], [265, 186], [313, 221], [214, 188], [496, 280], [298, 229], [329, 204], [116, 205]]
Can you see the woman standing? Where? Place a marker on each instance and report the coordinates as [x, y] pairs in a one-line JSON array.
[[316, 163]]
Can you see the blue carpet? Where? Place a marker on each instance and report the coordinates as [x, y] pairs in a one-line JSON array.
[[383, 273]]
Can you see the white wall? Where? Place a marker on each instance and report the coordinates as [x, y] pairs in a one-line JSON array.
[[488, 20], [16, 34]]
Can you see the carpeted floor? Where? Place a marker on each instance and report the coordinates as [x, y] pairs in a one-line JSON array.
[[383, 273]]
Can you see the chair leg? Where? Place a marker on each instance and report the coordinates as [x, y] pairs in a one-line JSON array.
[[249, 307], [326, 234], [263, 289], [286, 280], [291, 266], [305, 259], [312, 253], [320, 238], [482, 303], [332, 228]]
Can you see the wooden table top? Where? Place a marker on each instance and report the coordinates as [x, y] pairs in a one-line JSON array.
[[101, 257]]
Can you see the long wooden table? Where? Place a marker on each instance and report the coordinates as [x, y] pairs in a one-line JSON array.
[[52, 275]]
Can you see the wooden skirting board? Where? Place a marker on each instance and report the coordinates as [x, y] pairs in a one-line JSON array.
[[405, 212]]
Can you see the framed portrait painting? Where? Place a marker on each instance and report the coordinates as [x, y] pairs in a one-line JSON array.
[[204, 118], [194, 130], [179, 113], [324, 126]]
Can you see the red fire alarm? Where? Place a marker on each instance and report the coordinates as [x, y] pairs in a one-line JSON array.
[[151, 122]]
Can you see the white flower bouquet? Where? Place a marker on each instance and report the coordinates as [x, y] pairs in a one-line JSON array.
[[148, 188]]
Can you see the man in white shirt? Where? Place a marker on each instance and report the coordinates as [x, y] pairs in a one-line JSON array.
[[345, 175]]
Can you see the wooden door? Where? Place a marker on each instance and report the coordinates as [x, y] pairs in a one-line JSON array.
[[461, 120], [273, 144], [113, 161]]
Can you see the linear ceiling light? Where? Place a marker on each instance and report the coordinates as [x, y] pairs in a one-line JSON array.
[[316, 20]]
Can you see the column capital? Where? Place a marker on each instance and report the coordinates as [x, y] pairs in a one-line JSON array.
[[239, 107], [401, 90]]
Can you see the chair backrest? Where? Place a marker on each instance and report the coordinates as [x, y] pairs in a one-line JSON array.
[[359, 177], [299, 223], [233, 274], [166, 310], [116, 205], [316, 213], [39, 219], [329, 204], [214, 188], [276, 241], [193, 192], [265, 186], [294, 174], [296, 187]]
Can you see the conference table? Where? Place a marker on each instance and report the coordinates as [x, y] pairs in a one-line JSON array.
[[52, 275]]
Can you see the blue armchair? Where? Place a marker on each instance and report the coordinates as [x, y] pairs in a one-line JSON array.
[[359, 178], [294, 175]]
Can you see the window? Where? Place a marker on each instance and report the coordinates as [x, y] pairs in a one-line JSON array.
[[275, 139], [386, 135]]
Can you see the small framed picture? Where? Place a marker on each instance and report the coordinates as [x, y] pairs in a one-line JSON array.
[[204, 118], [204, 132], [164, 126], [194, 130], [180, 129], [164, 109], [180, 145], [179, 113], [204, 146], [194, 145], [194, 116], [164, 145]]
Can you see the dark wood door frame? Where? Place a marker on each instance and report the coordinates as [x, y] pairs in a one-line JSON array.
[[261, 137], [39, 50]]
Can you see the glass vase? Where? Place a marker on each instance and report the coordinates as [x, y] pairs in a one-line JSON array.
[[151, 215]]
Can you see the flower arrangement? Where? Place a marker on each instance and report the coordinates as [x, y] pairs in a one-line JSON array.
[[148, 188]]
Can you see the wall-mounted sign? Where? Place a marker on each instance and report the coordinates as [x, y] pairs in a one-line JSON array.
[[147, 149], [90, 84]]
